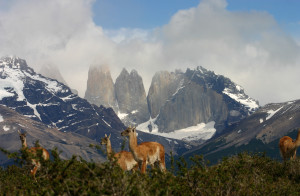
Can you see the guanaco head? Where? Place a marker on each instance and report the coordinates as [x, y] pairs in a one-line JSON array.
[[105, 139], [22, 136], [128, 131]]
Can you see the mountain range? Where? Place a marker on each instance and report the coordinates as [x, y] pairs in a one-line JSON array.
[[197, 101], [53, 104], [191, 112]]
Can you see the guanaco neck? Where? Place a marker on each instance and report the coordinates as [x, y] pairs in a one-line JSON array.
[[108, 148], [24, 143], [297, 141], [132, 142]]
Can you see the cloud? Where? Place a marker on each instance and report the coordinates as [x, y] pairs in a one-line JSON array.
[[249, 47], [127, 34]]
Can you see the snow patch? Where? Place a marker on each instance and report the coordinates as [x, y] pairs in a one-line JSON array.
[[241, 98], [106, 123], [5, 128], [134, 111], [150, 123], [121, 115], [271, 113], [1, 118], [180, 86], [33, 106], [200, 131], [69, 97], [261, 120]]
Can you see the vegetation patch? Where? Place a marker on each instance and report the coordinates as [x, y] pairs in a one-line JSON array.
[[243, 174]]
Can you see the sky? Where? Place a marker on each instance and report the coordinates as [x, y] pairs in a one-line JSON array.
[[256, 43]]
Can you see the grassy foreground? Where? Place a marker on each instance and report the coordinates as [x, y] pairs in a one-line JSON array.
[[243, 174]]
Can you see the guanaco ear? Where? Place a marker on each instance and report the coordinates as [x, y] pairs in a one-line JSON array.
[[105, 135], [109, 136], [19, 132]]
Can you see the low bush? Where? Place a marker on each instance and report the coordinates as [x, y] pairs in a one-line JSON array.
[[243, 174]]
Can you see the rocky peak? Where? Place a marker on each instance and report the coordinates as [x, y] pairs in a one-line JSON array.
[[164, 84], [131, 97], [14, 62], [222, 85], [100, 87], [124, 72]]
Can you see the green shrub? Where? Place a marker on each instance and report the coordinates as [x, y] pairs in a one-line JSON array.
[[244, 174]]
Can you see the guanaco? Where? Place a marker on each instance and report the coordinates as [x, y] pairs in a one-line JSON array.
[[124, 159], [146, 152], [33, 151], [288, 147]]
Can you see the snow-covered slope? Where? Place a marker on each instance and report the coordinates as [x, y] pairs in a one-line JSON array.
[[51, 102], [225, 86], [201, 131]]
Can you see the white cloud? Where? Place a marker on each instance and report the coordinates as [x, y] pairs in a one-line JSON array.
[[248, 47], [127, 35]]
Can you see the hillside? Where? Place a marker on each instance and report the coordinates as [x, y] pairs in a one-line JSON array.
[[260, 132], [68, 143]]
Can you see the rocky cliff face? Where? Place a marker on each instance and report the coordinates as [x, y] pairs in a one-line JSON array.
[[100, 87], [131, 97], [191, 105], [187, 102], [164, 84]]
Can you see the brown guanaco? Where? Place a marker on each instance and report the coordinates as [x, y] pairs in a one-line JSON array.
[[146, 152], [288, 147], [33, 151], [124, 159]]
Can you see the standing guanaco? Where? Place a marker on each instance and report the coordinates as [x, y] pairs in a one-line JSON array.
[[288, 147], [146, 152], [124, 159], [33, 151]]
